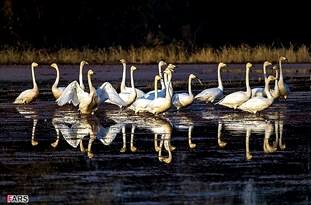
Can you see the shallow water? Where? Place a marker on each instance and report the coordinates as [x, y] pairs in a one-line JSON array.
[[204, 154]]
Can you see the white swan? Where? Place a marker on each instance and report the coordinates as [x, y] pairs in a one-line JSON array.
[[129, 96], [259, 103], [150, 95], [29, 95], [81, 74], [125, 89], [162, 104], [87, 102], [182, 100], [283, 87], [260, 91], [141, 103], [57, 91], [211, 94], [235, 99]]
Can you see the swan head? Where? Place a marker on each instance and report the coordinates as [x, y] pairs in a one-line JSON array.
[[222, 65], [157, 77], [54, 65], [266, 63], [161, 64], [249, 65], [170, 67], [192, 76], [271, 77], [282, 58], [83, 62], [275, 67], [123, 61], [90, 72], [133, 68], [34, 64]]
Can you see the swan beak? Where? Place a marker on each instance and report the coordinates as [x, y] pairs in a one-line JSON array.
[[199, 81]]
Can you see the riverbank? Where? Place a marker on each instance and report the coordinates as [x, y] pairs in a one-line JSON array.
[[146, 55]]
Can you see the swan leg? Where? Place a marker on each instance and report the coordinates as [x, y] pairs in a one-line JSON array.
[[33, 141], [123, 149], [191, 145], [221, 143], [133, 148]]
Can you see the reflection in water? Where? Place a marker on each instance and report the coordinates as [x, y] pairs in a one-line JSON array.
[[248, 123], [182, 121], [30, 113], [159, 126]]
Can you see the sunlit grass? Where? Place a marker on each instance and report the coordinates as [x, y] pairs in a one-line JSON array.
[[170, 53]]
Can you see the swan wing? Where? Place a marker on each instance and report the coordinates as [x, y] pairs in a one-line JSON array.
[[107, 91], [180, 99], [150, 95], [209, 94], [72, 93], [257, 92], [235, 98]]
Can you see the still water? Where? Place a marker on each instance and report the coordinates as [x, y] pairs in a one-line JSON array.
[[204, 154]]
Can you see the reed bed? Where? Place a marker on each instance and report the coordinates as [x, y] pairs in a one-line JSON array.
[[170, 53]]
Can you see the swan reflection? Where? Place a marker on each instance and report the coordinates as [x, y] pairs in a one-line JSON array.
[[238, 124], [159, 126], [30, 113]]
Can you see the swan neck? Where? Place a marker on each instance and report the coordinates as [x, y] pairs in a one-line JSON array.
[[132, 79], [281, 70], [80, 76], [57, 78], [89, 79], [122, 87], [248, 88], [33, 78], [220, 86], [155, 88], [167, 82], [267, 89], [161, 80], [189, 87], [265, 72]]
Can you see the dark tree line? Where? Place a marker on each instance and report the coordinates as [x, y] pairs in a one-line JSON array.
[[96, 24]]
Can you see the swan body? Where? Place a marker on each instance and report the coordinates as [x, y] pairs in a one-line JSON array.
[[57, 91], [181, 100], [235, 99], [29, 95], [259, 103], [162, 104], [73, 92], [123, 88], [260, 91], [141, 103], [211, 94], [283, 87]]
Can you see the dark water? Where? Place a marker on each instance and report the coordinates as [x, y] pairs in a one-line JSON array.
[[203, 154]]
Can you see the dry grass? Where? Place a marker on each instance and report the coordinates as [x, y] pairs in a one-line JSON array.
[[171, 53]]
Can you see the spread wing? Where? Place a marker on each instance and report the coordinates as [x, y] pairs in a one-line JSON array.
[[107, 91], [72, 93]]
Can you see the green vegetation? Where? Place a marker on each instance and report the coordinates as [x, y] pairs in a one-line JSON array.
[[171, 53]]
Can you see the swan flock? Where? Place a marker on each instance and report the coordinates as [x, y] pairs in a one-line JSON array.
[[159, 101]]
